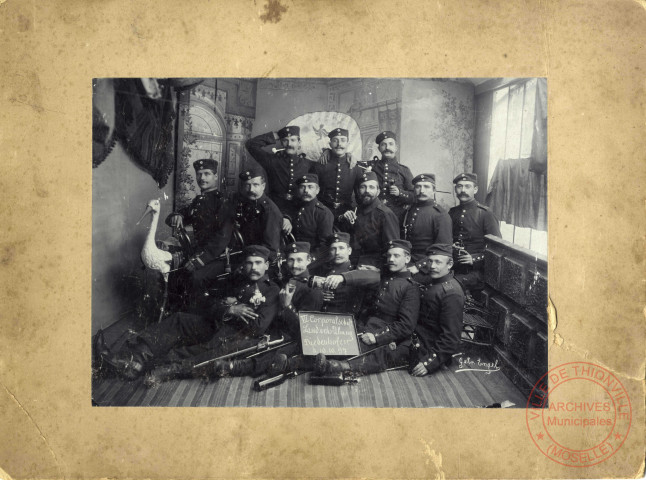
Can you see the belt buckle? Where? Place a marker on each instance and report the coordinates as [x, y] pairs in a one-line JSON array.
[[336, 205], [288, 196]]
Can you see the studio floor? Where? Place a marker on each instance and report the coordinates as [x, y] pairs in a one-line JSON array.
[[450, 387]]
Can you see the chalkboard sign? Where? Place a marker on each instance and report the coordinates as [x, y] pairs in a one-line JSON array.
[[328, 333]]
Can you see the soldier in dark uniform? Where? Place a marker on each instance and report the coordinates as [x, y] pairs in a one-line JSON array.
[[439, 327], [425, 223], [391, 318], [283, 167], [212, 224], [394, 177], [312, 221], [233, 324], [296, 295], [337, 175], [257, 218], [471, 222], [374, 224]]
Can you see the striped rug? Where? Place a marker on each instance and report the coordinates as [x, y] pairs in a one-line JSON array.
[[446, 388]]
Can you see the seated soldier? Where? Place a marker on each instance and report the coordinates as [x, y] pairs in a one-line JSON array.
[[439, 326], [343, 299], [310, 220], [373, 225], [233, 324], [295, 296], [212, 225], [391, 318], [257, 218]]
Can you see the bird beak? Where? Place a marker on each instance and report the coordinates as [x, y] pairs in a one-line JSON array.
[[148, 210]]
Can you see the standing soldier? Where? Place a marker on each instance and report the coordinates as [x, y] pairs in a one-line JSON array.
[[212, 226], [394, 177], [257, 218], [374, 223], [311, 221], [471, 222], [337, 175], [425, 223], [282, 167]]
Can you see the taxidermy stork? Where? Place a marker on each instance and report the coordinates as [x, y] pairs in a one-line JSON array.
[[153, 257]]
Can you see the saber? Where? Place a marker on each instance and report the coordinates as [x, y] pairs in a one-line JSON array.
[[261, 346], [391, 346]]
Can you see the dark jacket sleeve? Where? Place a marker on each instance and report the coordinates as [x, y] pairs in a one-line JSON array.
[[362, 278], [307, 300], [443, 229], [255, 147], [406, 195], [221, 236], [389, 227], [450, 321], [272, 226], [325, 226], [491, 225], [406, 321]]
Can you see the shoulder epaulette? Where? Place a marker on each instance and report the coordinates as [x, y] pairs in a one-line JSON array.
[[447, 286], [484, 207], [320, 205], [438, 208]]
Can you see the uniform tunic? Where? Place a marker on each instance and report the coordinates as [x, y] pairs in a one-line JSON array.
[[258, 221], [374, 227], [440, 321], [393, 315], [346, 299], [312, 222], [211, 221], [282, 169], [392, 171], [203, 336], [471, 222], [426, 223], [337, 179], [305, 299]]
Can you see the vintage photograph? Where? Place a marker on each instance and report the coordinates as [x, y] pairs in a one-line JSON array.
[[319, 242]]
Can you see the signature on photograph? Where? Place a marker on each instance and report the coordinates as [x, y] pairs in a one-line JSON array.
[[477, 365]]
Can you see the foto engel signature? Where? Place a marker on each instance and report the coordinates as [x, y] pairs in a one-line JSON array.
[[477, 365]]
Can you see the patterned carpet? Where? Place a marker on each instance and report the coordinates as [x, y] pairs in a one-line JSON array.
[[446, 388]]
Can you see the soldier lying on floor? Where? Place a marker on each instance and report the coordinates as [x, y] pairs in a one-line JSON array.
[[438, 327], [235, 323]]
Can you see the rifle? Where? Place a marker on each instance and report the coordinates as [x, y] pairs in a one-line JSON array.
[[263, 346]]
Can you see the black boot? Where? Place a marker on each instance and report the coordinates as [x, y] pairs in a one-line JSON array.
[[100, 351], [323, 366]]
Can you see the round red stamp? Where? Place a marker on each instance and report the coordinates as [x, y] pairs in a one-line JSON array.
[[578, 414]]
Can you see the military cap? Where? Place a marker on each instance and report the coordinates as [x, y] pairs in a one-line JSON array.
[[404, 244], [297, 247], [469, 177], [338, 132], [440, 249], [289, 131], [251, 173], [307, 178], [205, 163], [384, 135], [256, 251], [366, 176], [424, 177], [338, 237]]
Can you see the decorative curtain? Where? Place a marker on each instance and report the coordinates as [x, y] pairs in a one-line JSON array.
[[517, 191]]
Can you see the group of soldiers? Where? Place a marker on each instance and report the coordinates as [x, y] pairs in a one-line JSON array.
[[336, 236]]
